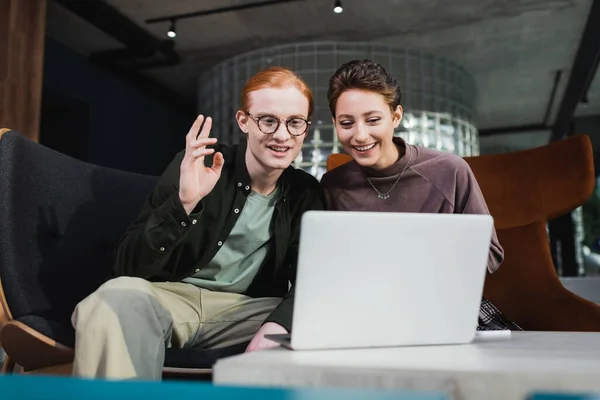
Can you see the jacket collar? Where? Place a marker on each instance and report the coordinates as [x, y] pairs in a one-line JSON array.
[[242, 176]]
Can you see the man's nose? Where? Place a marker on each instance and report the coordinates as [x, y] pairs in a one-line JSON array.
[[281, 134]]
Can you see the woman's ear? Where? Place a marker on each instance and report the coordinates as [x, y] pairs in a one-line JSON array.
[[242, 120], [398, 112]]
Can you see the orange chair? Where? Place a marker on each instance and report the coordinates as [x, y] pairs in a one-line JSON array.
[[523, 191]]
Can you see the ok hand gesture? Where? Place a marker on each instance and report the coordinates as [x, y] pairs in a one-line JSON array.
[[196, 180]]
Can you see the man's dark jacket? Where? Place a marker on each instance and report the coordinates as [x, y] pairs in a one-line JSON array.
[[165, 244]]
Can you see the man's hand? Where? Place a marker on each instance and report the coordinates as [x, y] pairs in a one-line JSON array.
[[196, 180], [259, 342]]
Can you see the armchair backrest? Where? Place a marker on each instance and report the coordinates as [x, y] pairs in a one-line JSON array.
[[537, 184], [61, 221]]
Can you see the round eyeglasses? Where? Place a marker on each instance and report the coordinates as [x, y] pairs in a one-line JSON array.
[[268, 124]]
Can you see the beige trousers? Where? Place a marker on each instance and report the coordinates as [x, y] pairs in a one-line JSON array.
[[123, 328]]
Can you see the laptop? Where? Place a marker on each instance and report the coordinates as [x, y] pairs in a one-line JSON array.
[[379, 279]]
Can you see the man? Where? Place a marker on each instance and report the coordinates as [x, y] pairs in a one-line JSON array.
[[209, 261]]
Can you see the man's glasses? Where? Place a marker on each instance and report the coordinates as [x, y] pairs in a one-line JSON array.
[[268, 124]]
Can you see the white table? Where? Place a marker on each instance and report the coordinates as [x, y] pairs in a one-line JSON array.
[[502, 369]]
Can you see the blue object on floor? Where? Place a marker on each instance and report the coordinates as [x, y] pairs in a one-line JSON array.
[[564, 396], [24, 387]]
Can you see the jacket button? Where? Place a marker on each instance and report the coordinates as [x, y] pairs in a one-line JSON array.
[[237, 211], [162, 249], [198, 270], [219, 243]]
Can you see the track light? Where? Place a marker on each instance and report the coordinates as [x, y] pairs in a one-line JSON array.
[[337, 8], [171, 33]]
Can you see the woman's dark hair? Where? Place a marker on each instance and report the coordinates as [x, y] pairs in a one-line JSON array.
[[363, 75]]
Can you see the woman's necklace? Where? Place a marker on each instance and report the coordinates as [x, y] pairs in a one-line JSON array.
[[386, 195]]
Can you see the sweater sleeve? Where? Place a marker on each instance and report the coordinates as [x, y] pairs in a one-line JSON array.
[[469, 200]]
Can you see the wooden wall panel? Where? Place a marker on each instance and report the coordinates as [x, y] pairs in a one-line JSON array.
[[22, 31]]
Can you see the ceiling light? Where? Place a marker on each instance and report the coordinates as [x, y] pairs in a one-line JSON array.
[[337, 8], [171, 33]]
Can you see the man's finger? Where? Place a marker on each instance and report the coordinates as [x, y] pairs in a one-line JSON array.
[[193, 132], [202, 152], [252, 345], [203, 142], [206, 128], [218, 162]]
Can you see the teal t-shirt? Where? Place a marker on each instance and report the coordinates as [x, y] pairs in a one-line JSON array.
[[237, 262]]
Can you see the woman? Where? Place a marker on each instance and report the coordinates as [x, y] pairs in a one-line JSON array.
[[388, 174]]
